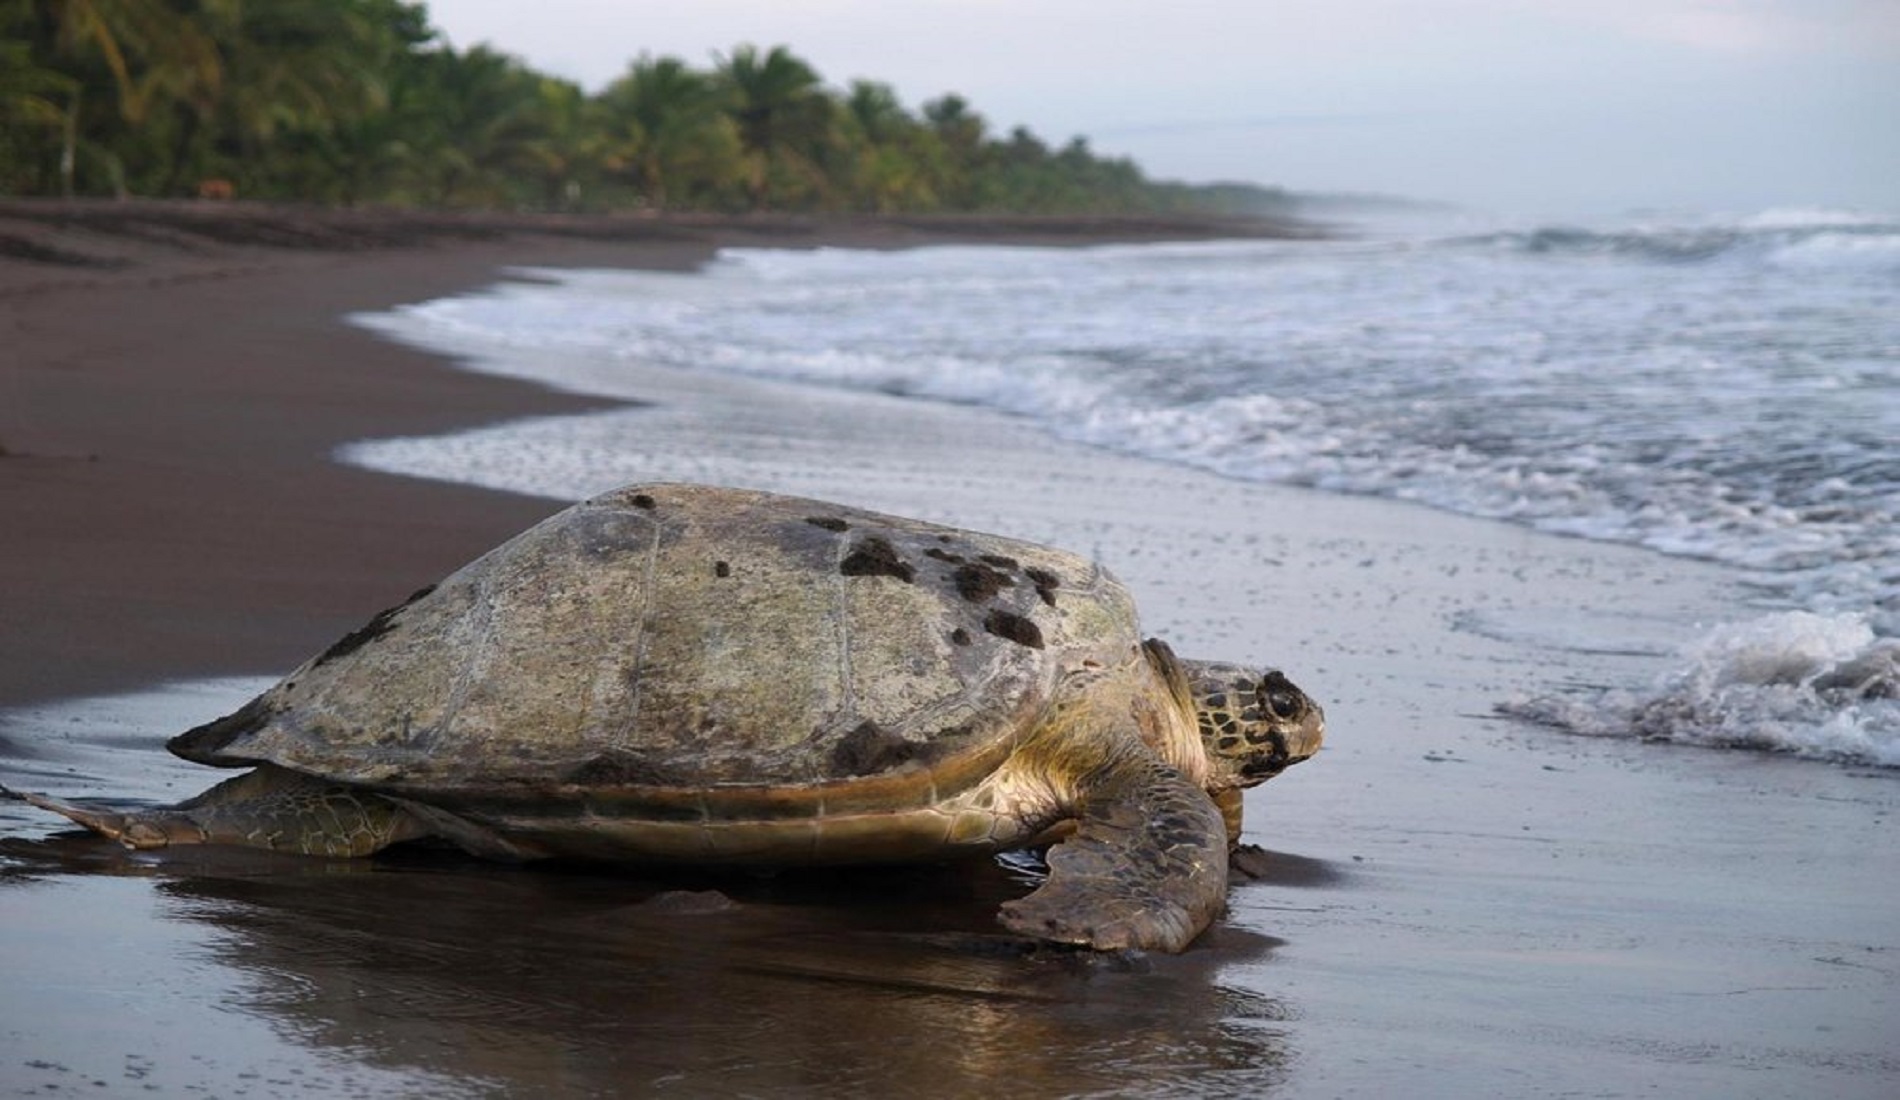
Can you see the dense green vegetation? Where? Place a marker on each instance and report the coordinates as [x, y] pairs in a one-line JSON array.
[[353, 101]]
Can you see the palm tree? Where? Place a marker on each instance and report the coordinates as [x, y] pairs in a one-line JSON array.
[[152, 49], [961, 128], [784, 119], [30, 94], [664, 130], [959, 132], [345, 100], [478, 110], [359, 145], [102, 27], [561, 148], [874, 109], [31, 113], [295, 67], [890, 171]]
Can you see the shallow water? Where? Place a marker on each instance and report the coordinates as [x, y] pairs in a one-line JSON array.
[[446, 979], [1459, 905], [1726, 389], [1450, 911], [428, 973]]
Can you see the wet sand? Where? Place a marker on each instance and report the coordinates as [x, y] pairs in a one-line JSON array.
[[174, 377], [1458, 905]]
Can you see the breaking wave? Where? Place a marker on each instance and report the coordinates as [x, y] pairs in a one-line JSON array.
[[1818, 686], [1727, 389]]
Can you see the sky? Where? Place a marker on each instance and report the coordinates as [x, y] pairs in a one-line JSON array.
[[1516, 107]]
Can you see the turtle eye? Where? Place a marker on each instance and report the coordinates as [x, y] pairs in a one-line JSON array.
[[1278, 698]]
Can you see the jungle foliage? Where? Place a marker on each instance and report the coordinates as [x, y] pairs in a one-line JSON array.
[[360, 101]]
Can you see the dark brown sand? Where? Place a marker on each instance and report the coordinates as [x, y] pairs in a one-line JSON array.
[[174, 377], [1456, 906]]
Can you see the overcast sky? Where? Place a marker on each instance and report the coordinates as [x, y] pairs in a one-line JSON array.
[[1520, 106]]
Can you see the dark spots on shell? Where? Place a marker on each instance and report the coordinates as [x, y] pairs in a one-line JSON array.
[[382, 623], [1013, 627], [944, 555], [356, 639], [829, 523], [642, 501], [978, 583], [869, 750], [249, 718], [960, 636], [722, 569], [621, 769], [201, 743], [1000, 561], [1227, 744], [1046, 583], [875, 557]]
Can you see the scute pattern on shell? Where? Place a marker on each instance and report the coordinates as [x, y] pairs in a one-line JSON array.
[[693, 637]]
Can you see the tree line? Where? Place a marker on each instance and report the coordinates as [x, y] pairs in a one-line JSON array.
[[360, 101]]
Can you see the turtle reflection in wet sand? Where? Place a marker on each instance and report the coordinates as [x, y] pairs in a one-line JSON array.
[[687, 675]]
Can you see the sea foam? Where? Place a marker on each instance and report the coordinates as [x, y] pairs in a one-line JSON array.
[[1727, 389], [1819, 686]]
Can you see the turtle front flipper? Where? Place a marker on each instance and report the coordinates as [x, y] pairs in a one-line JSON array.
[[1146, 867], [270, 808], [1245, 862]]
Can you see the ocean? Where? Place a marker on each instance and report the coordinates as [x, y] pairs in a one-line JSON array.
[[1721, 388]]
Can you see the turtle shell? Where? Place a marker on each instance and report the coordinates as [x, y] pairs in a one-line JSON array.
[[725, 651]]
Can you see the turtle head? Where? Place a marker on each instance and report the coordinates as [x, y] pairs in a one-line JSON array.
[[1254, 722]]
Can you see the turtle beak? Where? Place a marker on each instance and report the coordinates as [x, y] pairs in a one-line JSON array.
[[1306, 738], [1289, 746], [1259, 771]]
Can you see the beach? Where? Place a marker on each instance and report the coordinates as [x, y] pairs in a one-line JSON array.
[[177, 375], [1457, 905]]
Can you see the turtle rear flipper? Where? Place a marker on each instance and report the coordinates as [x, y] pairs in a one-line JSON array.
[[1146, 868], [107, 823], [270, 808]]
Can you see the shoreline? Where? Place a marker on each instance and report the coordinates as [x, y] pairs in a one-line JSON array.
[[1456, 904], [101, 238], [180, 374]]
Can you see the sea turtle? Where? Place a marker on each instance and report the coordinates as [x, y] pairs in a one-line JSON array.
[[693, 675]]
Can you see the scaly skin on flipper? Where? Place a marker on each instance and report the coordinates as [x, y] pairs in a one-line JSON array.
[[1232, 803], [1245, 862], [268, 808], [1146, 864], [1146, 868]]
